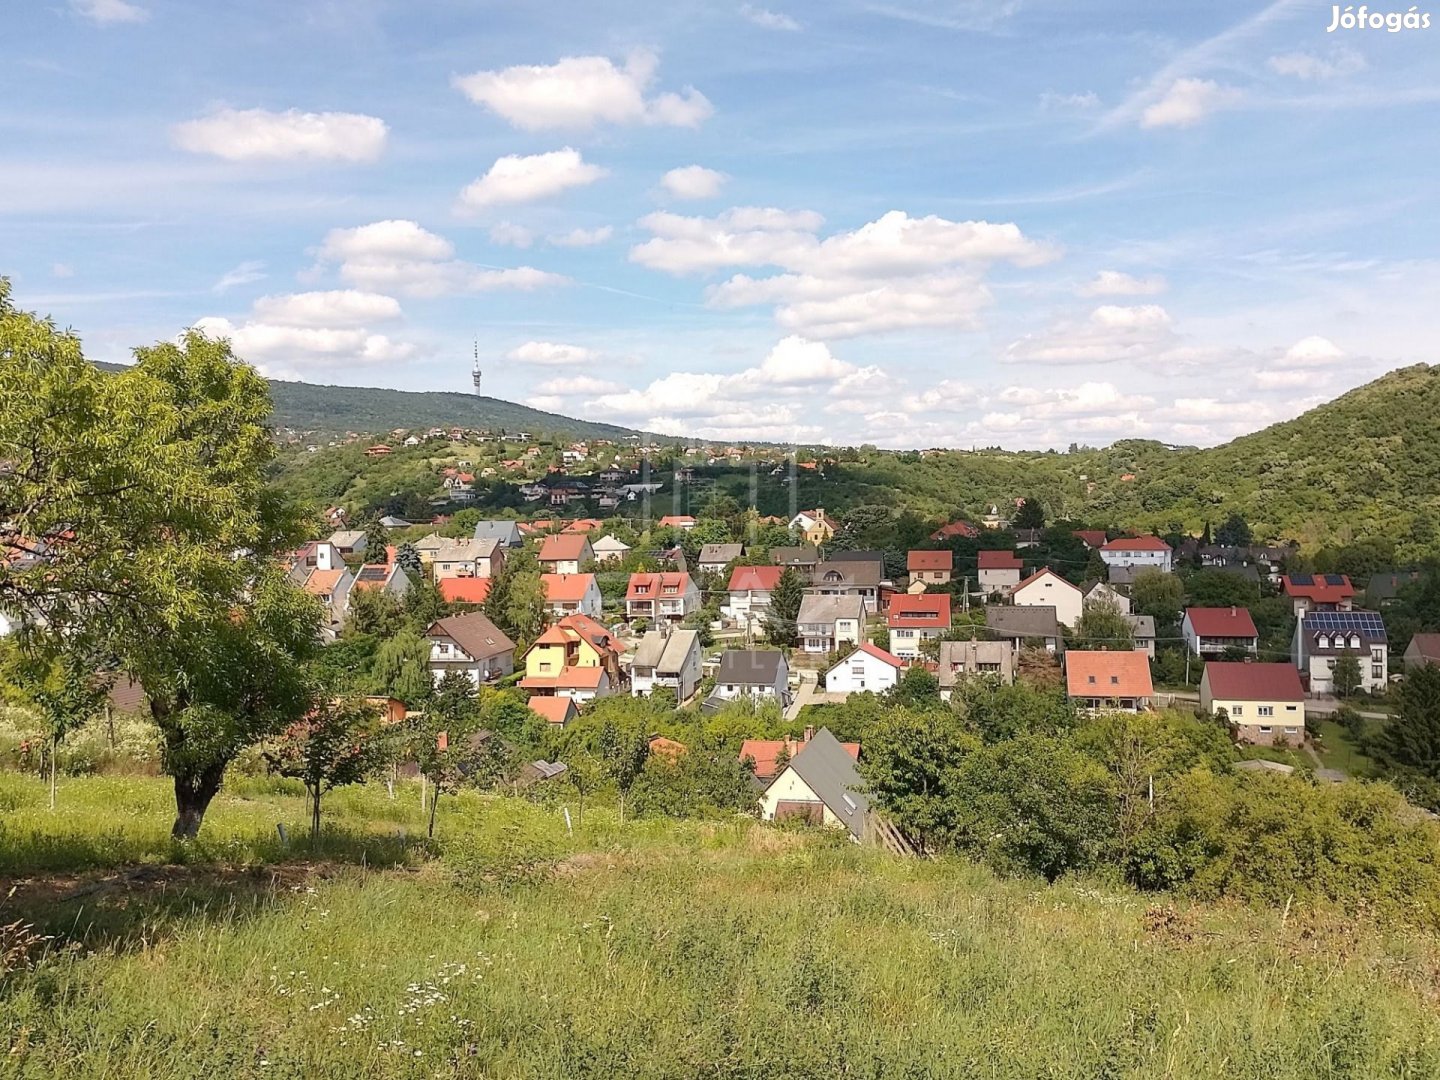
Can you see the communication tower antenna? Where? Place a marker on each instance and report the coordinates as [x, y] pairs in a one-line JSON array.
[[475, 369]]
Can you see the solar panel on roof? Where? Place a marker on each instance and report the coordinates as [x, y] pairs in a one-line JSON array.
[[1334, 579], [1302, 579], [1369, 623]]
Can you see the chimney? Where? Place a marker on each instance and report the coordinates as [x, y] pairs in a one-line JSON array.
[[1234, 611], [809, 733]]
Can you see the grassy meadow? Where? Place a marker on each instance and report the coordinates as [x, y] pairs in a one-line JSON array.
[[509, 948]]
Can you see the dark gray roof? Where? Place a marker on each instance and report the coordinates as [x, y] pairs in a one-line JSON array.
[[750, 667], [815, 608], [1123, 575], [857, 556], [506, 532], [1143, 626], [474, 633], [1026, 621], [795, 556], [649, 651], [830, 773], [720, 553], [853, 574]]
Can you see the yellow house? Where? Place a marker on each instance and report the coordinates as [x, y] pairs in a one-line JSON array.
[[813, 526], [1264, 703], [576, 641]]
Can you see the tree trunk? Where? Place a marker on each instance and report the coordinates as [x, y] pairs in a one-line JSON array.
[[192, 798], [54, 753], [315, 817], [434, 801]]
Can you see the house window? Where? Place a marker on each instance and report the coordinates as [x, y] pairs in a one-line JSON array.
[[1377, 672], [1292, 731], [1238, 710], [1266, 710], [1289, 708], [1264, 729], [1377, 655]]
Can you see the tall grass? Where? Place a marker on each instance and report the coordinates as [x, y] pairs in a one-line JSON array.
[[691, 950]]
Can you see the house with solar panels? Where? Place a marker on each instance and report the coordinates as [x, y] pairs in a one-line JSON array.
[[1322, 637], [1318, 592]]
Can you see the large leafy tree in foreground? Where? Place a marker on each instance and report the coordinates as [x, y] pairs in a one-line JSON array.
[[138, 523]]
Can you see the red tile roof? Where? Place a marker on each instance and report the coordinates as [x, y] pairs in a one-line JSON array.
[[1094, 538], [755, 578], [1000, 560], [584, 525], [1222, 622], [566, 588], [1319, 589], [930, 560], [553, 710], [1428, 646], [880, 654], [464, 590], [677, 520], [1121, 674], [657, 585], [1137, 543], [926, 611], [955, 528], [1254, 682], [573, 677], [563, 547]]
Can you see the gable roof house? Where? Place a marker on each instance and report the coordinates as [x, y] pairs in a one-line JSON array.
[[931, 567], [1265, 703], [1118, 681], [1212, 631], [757, 674], [1423, 649], [677, 521], [1045, 588], [750, 588], [869, 667], [804, 558], [467, 558], [576, 657], [1322, 637], [470, 591], [956, 529], [565, 553], [1102, 592], [555, 711], [332, 588], [609, 549], [1019, 625], [999, 571], [850, 577], [472, 645], [962, 659], [386, 577], [667, 661], [824, 623], [1138, 551], [570, 594], [769, 756], [914, 618], [821, 784], [666, 596], [715, 557], [814, 526], [349, 541], [1142, 633], [507, 533], [1318, 592]]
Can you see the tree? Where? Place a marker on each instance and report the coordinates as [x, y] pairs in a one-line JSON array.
[[525, 605], [781, 620], [622, 754], [402, 668], [337, 743], [63, 690], [917, 689], [374, 612], [1030, 514], [408, 559], [1103, 626], [1411, 738], [449, 746], [909, 768], [377, 539], [1347, 675], [1157, 594], [1234, 532]]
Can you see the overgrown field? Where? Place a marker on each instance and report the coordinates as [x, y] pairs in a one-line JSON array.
[[653, 949]]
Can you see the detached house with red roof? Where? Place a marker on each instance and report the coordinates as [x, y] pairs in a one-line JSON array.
[[572, 594], [961, 529], [867, 668], [1139, 552], [916, 617], [576, 658], [750, 588], [1211, 631], [667, 596], [1265, 703], [1318, 592], [931, 567], [565, 553], [1045, 588], [469, 591], [1000, 571], [1117, 681]]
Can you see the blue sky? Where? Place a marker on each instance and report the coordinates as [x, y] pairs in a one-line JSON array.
[[909, 223]]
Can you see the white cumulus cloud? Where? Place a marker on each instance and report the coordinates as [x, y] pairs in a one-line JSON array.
[[1303, 65], [109, 12], [693, 182], [261, 135], [338, 307], [550, 353], [1111, 332], [582, 237], [579, 92], [770, 20], [1116, 283], [521, 178], [1187, 102], [511, 235]]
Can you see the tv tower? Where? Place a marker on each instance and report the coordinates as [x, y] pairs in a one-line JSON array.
[[475, 368]]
